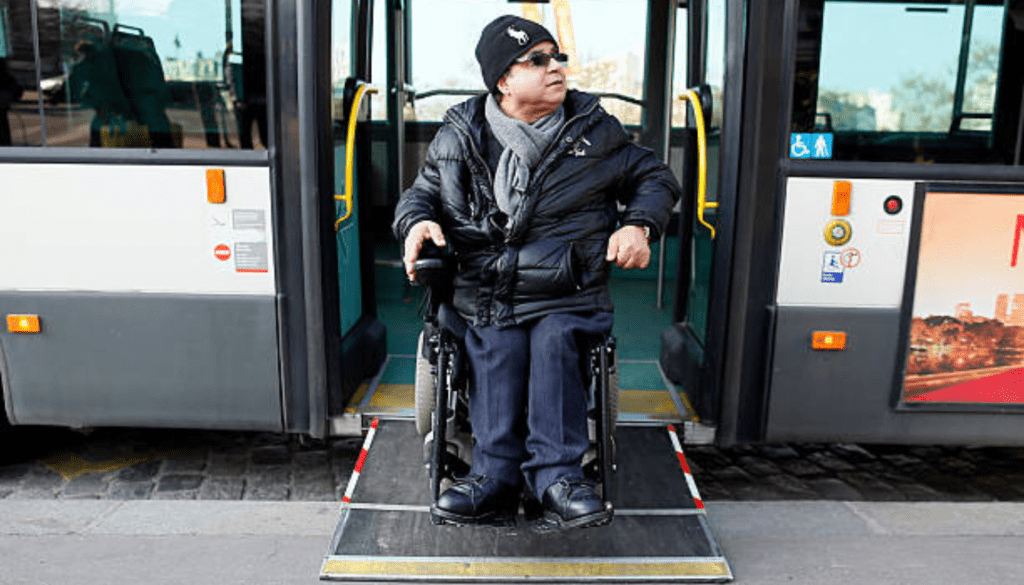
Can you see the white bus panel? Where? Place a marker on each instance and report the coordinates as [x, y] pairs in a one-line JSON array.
[[135, 228], [866, 270]]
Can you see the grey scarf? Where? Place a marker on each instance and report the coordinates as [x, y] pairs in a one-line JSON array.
[[524, 144]]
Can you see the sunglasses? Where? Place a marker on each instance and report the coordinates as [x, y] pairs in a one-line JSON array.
[[542, 59]]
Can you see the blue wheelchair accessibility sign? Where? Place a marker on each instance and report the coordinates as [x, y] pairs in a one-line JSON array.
[[810, 146], [832, 268]]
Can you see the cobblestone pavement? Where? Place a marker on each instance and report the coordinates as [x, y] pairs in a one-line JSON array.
[[38, 463]]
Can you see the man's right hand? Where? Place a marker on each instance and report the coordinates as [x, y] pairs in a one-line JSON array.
[[421, 232]]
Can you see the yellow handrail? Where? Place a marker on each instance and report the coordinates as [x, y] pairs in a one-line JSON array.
[[350, 147], [702, 160]]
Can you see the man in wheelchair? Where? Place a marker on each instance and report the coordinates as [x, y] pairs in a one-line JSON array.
[[523, 186]]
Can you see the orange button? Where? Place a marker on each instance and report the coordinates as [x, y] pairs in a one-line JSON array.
[[841, 197], [828, 340], [215, 185], [23, 323]]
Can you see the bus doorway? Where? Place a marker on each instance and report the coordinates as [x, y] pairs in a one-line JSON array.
[[638, 76]]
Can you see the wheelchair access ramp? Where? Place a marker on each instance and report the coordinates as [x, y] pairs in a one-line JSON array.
[[659, 534]]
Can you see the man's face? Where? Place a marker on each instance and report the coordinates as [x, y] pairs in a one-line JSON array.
[[536, 86]]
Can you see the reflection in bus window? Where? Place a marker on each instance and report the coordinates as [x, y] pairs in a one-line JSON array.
[[603, 38], [19, 111], [901, 80], [181, 74]]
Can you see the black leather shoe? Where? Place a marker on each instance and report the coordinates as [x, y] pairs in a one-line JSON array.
[[476, 499], [574, 503]]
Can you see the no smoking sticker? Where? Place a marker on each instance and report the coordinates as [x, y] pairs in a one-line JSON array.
[[850, 257], [222, 252]]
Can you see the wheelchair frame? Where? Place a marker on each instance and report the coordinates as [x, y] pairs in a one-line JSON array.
[[442, 342]]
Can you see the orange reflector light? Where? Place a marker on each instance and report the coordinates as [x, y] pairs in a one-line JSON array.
[[841, 197], [215, 185], [23, 323], [828, 340]]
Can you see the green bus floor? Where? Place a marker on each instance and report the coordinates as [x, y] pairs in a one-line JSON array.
[[647, 395], [638, 323], [633, 374]]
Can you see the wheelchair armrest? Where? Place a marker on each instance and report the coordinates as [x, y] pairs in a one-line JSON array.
[[435, 273]]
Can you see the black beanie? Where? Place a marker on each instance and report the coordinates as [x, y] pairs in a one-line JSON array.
[[504, 40]]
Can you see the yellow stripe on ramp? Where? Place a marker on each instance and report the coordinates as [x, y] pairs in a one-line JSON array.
[[444, 569]]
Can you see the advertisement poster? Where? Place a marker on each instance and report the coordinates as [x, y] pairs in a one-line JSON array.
[[967, 331]]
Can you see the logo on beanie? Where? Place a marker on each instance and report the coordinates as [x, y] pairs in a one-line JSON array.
[[519, 35]]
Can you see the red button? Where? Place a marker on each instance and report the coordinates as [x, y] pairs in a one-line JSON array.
[[893, 204]]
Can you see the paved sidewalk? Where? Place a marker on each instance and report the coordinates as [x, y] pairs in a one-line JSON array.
[[159, 464], [766, 543]]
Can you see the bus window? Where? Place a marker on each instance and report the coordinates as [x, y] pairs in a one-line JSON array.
[[604, 40], [679, 70], [379, 62], [19, 109], [904, 81], [183, 74], [341, 61], [714, 72]]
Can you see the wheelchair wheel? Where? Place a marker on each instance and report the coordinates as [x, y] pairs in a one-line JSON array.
[[613, 399], [424, 395]]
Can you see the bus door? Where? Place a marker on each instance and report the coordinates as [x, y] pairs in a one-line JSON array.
[[354, 313], [637, 71], [687, 354]]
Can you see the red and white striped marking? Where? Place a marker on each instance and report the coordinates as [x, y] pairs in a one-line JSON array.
[[347, 498], [686, 468]]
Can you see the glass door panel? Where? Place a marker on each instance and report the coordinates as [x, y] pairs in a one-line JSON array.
[[684, 345], [346, 187]]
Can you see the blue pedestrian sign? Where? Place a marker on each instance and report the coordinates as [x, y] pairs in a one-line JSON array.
[[810, 145], [832, 268]]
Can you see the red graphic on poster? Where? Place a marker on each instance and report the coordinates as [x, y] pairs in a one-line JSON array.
[[222, 252], [1006, 387], [1016, 238], [967, 330]]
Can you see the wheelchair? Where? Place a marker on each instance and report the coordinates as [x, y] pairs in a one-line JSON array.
[[442, 389]]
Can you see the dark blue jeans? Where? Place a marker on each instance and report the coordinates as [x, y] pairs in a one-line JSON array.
[[528, 402]]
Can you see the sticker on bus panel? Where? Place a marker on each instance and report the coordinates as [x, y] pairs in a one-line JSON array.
[[813, 145], [832, 268], [251, 257]]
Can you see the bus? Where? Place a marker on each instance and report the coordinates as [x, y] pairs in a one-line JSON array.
[[197, 196]]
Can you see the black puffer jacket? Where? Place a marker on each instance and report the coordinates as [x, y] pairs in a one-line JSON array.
[[553, 259]]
